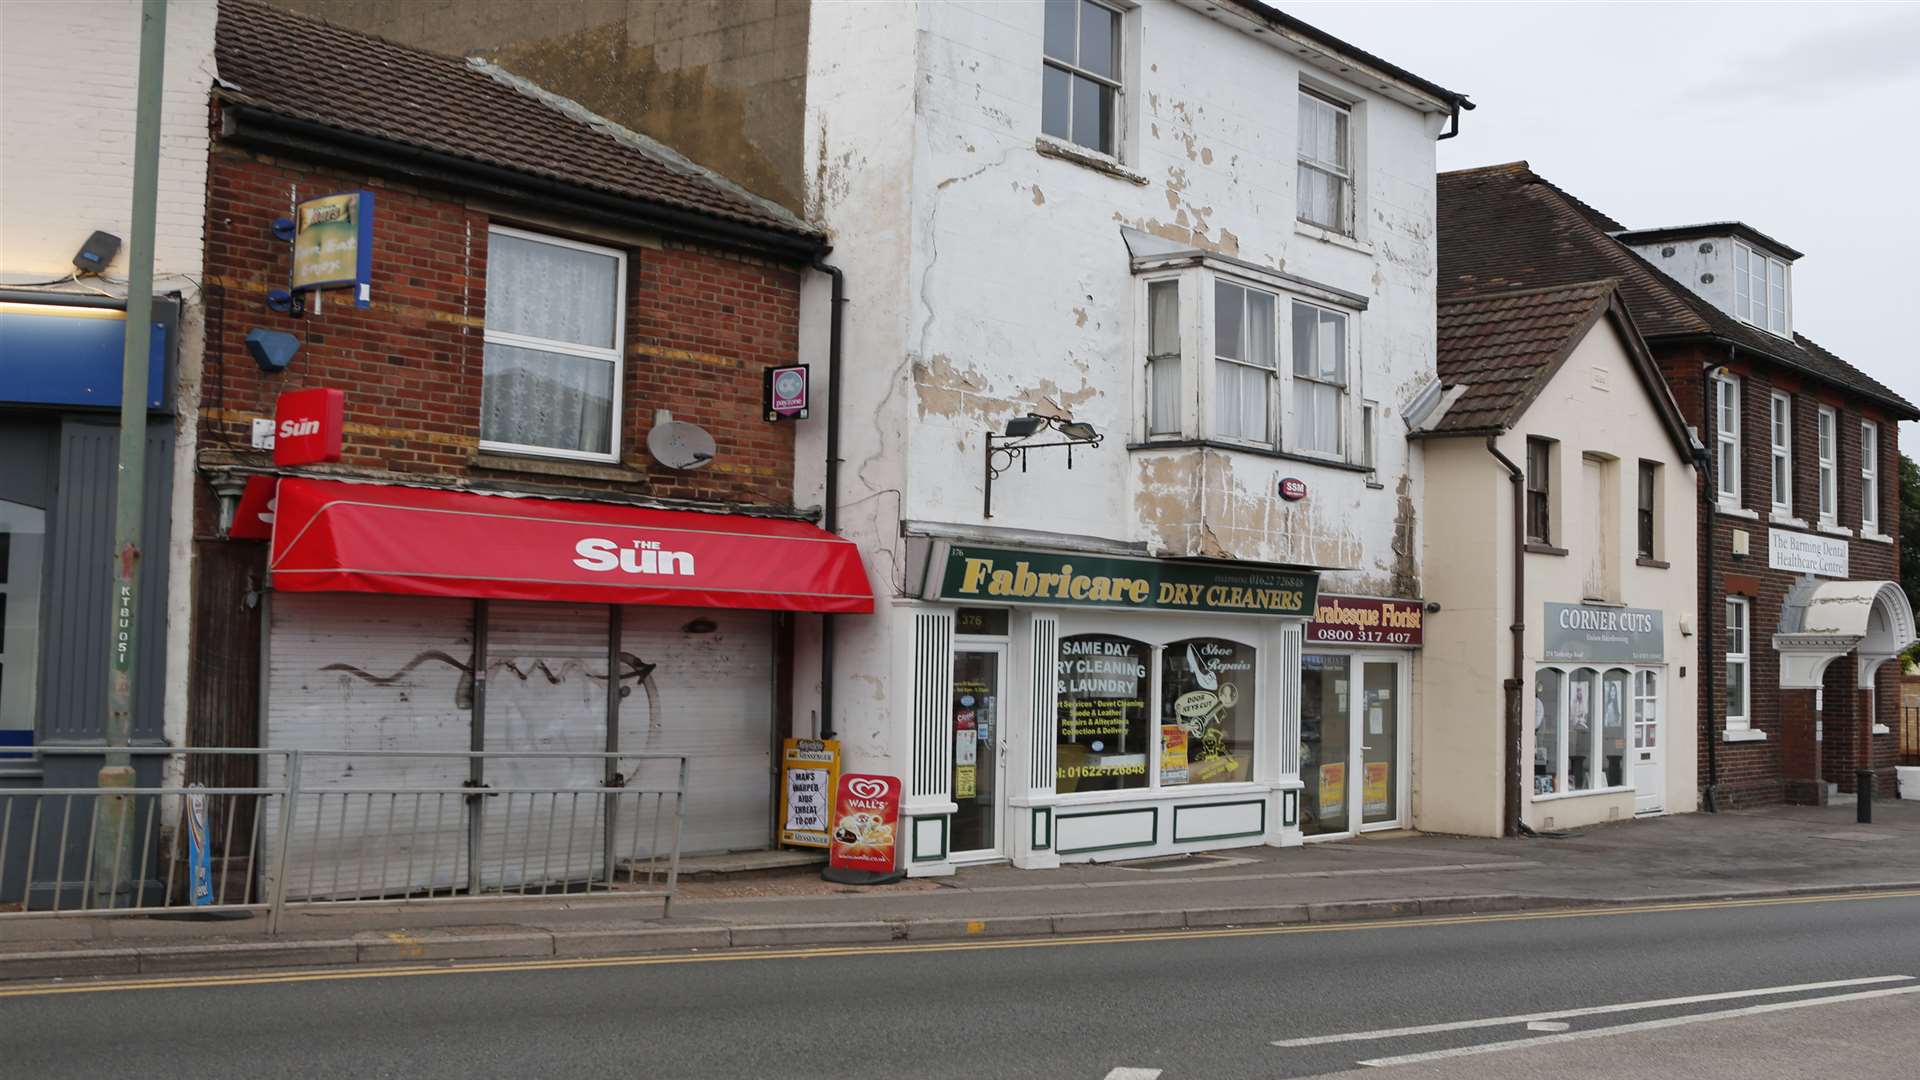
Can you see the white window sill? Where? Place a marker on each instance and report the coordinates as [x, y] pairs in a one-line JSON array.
[[1328, 236], [1736, 511], [1835, 530], [1583, 793], [1779, 518], [1747, 735], [1878, 538], [1048, 146], [1882, 729], [1140, 795]]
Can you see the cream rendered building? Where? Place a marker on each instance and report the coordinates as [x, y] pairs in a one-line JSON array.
[[1553, 433]]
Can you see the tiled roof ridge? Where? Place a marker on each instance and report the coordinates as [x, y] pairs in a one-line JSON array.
[[269, 10], [659, 151], [1519, 166], [1595, 285]]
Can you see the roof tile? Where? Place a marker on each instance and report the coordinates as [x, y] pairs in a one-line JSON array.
[[1502, 347]]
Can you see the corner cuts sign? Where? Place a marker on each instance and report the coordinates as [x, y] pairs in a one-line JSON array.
[[975, 574], [1592, 632]]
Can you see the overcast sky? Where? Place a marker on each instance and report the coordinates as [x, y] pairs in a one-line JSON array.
[[1798, 119]]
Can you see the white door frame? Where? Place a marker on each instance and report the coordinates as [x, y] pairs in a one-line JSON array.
[[1658, 757], [1002, 812], [1356, 732]]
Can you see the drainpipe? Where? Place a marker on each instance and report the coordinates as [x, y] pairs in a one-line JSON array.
[[830, 517], [1709, 500], [1517, 681]]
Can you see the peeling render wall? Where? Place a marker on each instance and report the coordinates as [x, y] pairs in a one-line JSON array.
[[989, 280]]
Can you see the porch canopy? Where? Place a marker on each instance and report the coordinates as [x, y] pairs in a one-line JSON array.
[[1822, 621], [330, 536]]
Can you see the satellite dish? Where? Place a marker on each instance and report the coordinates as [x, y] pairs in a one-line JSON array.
[[680, 445]]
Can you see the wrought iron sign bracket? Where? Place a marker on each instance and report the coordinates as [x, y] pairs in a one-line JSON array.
[[1003, 450]]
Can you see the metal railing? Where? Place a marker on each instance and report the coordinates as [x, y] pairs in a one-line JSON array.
[[1909, 732], [331, 827]]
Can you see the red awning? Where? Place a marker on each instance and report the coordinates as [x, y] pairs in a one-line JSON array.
[[330, 536]]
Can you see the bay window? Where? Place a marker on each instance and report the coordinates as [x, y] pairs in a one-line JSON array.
[[1235, 360], [1581, 717], [1726, 397], [1245, 362], [554, 329], [1829, 468], [1319, 378], [1869, 477]]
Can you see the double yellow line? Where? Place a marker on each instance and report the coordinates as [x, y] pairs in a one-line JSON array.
[[818, 952]]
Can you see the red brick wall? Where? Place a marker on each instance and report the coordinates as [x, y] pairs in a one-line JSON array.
[[700, 327], [1752, 772]]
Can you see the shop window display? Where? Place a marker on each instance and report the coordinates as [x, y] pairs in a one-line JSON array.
[[1547, 723], [1325, 741], [1207, 699], [1104, 736]]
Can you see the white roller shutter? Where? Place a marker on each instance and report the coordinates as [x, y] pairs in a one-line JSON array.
[[700, 683], [357, 672]]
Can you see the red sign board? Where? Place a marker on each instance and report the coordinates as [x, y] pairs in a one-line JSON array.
[[330, 536], [1293, 489], [866, 820], [306, 426], [1366, 620], [253, 518]]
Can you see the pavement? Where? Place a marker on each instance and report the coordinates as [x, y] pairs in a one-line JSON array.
[[1772, 851], [1773, 988]]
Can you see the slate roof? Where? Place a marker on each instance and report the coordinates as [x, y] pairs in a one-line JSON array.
[[303, 68], [1504, 346], [1504, 227]]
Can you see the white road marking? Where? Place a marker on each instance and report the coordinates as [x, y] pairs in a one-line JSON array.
[[1596, 1010], [1133, 1074], [1644, 1025], [1548, 1025]]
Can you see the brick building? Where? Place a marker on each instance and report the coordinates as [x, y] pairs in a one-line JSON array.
[[1800, 606], [511, 551]]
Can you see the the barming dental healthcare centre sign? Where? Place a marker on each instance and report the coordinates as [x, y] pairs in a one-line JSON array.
[[981, 574]]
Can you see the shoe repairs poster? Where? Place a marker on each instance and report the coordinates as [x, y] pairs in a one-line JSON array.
[[809, 770], [865, 821]]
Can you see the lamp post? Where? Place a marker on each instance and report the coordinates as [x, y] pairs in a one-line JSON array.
[[112, 831], [1003, 450]]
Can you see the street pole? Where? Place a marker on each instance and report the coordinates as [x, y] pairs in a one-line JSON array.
[[112, 828]]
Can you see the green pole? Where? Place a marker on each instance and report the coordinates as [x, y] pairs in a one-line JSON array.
[[113, 833]]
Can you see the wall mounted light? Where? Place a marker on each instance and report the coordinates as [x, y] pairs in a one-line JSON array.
[[1003, 450]]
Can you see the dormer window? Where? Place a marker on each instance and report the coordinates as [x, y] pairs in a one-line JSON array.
[[1759, 289]]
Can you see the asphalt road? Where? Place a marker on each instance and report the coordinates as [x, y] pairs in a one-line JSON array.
[[1190, 1004]]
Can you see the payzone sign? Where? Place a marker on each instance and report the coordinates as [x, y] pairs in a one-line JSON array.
[[306, 426]]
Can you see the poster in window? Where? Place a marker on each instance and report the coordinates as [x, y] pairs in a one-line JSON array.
[[1102, 682], [1333, 790], [1376, 790], [1207, 690], [1173, 754]]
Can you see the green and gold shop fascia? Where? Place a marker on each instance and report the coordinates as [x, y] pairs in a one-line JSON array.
[[974, 574]]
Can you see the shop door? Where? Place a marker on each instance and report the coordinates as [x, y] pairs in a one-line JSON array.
[[1649, 760], [978, 826], [1378, 723]]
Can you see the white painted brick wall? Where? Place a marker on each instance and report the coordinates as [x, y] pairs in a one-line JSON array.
[[67, 78]]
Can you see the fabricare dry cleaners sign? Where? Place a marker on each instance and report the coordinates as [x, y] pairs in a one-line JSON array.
[[1804, 553], [974, 574], [1366, 620], [1589, 632]]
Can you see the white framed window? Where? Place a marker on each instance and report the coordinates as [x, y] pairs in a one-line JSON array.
[[1163, 357], [1829, 467], [1726, 397], [1646, 710], [1759, 290], [1581, 720], [1319, 379], [1780, 426], [1246, 362], [1325, 176], [1739, 673], [1080, 88], [1869, 477], [555, 324]]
